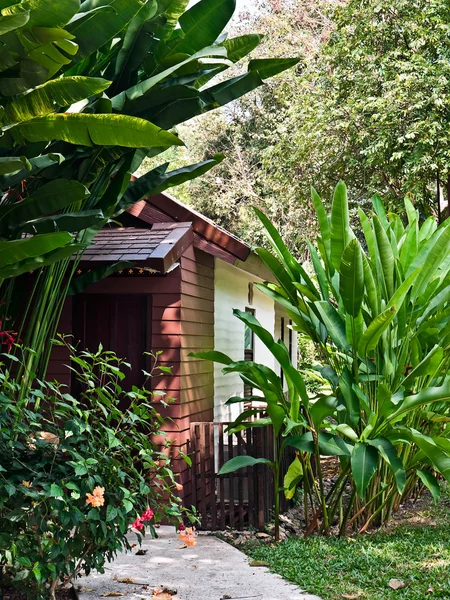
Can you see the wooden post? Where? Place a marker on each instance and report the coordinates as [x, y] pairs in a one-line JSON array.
[[212, 453], [221, 480]]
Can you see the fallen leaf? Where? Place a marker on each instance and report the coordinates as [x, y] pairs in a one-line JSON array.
[[111, 595], [258, 563], [162, 596], [141, 552], [181, 547], [126, 580], [353, 596], [397, 584]]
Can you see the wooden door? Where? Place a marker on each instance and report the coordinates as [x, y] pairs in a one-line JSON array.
[[120, 323]]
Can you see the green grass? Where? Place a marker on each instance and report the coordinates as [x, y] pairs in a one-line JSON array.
[[417, 553]]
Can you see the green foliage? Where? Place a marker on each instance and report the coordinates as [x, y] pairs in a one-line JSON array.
[[257, 133], [368, 103], [56, 450], [384, 354], [416, 553], [89, 91]]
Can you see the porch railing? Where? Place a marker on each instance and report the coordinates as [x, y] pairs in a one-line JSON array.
[[240, 499]]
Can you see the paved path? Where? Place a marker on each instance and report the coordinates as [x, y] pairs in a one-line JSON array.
[[212, 570]]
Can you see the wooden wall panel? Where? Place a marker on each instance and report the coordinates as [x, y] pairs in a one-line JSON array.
[[60, 357], [197, 334]]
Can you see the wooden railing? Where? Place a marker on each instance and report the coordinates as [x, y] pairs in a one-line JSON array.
[[239, 499]]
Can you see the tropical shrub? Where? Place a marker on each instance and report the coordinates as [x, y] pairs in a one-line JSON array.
[[77, 474], [377, 309], [88, 91]]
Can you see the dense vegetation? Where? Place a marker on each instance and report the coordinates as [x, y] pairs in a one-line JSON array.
[[379, 321], [368, 103], [88, 91]]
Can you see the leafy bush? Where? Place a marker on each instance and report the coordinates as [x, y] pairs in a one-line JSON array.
[[380, 322], [77, 473]]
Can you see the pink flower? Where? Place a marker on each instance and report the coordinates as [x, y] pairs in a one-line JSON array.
[[138, 524], [147, 515]]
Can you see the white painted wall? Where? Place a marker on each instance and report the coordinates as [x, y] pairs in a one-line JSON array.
[[231, 291]]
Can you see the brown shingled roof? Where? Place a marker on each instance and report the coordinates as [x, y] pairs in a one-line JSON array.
[[157, 248], [208, 236]]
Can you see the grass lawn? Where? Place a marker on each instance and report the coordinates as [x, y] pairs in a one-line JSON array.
[[415, 550]]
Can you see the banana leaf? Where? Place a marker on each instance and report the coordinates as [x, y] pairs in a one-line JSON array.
[[88, 130]]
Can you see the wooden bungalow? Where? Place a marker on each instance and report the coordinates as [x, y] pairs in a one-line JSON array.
[[187, 276]]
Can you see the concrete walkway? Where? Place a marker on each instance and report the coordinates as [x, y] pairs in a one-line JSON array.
[[212, 570]]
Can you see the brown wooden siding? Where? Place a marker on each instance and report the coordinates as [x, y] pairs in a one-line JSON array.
[[197, 334], [182, 321]]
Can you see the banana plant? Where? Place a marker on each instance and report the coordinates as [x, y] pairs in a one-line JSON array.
[[375, 301], [88, 91]]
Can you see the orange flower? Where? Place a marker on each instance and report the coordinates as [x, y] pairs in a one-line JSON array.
[[96, 498], [26, 484], [179, 486]]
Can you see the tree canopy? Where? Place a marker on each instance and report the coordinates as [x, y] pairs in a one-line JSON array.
[[367, 103]]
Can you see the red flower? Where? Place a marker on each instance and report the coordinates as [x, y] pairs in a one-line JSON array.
[[138, 524], [147, 515]]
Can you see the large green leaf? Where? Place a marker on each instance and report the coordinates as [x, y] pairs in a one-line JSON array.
[[422, 398], [324, 224], [162, 181], [278, 350], [11, 22], [279, 273], [334, 324], [430, 258], [172, 11], [329, 445], [201, 25], [60, 92], [135, 45], [40, 260], [389, 454], [240, 46], [16, 251], [94, 28], [293, 476], [231, 89], [428, 366], [213, 355], [346, 383], [49, 198], [324, 407], [127, 97], [268, 67], [373, 333], [431, 483], [351, 282], [241, 462], [71, 222], [340, 227], [364, 463], [14, 164], [438, 458], [37, 165], [45, 13], [87, 130], [386, 255]]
